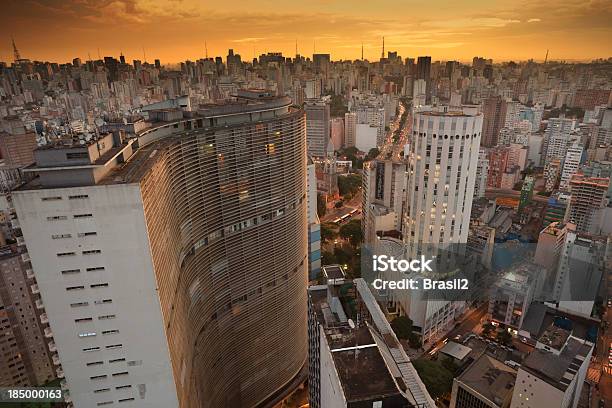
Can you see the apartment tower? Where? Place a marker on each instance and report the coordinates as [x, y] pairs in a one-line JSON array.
[[173, 263]]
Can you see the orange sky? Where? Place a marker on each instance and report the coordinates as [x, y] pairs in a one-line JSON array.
[[175, 30]]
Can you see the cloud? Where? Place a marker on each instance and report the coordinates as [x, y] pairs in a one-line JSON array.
[[249, 39], [534, 20]]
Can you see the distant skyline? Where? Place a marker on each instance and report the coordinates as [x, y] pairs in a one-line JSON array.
[[176, 30]]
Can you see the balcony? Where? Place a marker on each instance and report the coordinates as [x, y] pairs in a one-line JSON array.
[[25, 257], [48, 333], [59, 372], [35, 289], [55, 359], [15, 223], [29, 273], [39, 304], [20, 241], [52, 347], [44, 319]]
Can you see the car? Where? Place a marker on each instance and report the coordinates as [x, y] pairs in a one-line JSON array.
[[457, 337]]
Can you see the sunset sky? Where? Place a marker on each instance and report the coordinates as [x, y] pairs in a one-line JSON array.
[[175, 30]]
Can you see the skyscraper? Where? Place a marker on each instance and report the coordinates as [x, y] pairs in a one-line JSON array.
[[192, 234], [423, 71], [442, 162], [494, 116], [317, 127], [588, 198], [350, 129]]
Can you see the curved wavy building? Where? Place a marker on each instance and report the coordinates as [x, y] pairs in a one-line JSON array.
[[180, 277]]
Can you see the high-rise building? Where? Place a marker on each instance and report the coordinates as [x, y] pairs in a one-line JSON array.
[[314, 225], [482, 172], [350, 342], [26, 359], [588, 198], [337, 133], [557, 138], [494, 116], [442, 165], [350, 129], [553, 374], [317, 127], [570, 165], [17, 145], [191, 234], [423, 71]]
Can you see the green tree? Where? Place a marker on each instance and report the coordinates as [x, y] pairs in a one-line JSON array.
[[437, 379], [504, 337], [352, 232], [414, 340], [321, 205], [328, 232], [328, 258], [402, 327], [338, 204], [449, 364], [373, 153], [349, 184], [487, 328]]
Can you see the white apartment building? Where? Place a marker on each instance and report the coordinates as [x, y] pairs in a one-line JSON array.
[[570, 165]]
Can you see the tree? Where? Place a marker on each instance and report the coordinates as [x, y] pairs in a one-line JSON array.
[[487, 328], [349, 184], [402, 327], [449, 364], [352, 232], [327, 232], [373, 153], [321, 205], [504, 337], [338, 204], [414, 341], [437, 379]]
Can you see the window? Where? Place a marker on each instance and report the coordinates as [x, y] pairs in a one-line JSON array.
[[69, 288], [87, 234], [79, 304], [97, 268], [103, 301], [122, 387], [110, 331], [77, 155], [92, 251], [116, 360], [83, 319], [106, 317], [88, 349], [98, 377], [99, 285], [82, 215], [69, 271], [120, 373], [93, 363], [87, 334], [104, 403], [57, 218], [101, 390], [62, 254], [78, 197], [51, 198], [114, 346], [61, 236], [126, 399]]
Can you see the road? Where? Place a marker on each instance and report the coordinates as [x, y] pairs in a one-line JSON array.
[[468, 323], [334, 213]]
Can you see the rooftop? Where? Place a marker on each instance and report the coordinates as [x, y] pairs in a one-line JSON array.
[[554, 337], [490, 378], [455, 350]]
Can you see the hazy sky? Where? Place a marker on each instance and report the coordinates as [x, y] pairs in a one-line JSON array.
[[175, 30]]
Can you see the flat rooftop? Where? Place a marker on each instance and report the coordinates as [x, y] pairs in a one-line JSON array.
[[557, 370], [490, 378], [554, 337]]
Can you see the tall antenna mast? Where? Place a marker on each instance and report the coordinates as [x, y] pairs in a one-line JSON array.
[[296, 49], [314, 47], [99, 54], [362, 50], [16, 54], [383, 49], [206, 49], [144, 54], [546, 58]]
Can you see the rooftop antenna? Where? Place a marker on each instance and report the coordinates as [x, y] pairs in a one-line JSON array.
[[383, 49], [362, 50], [314, 47], [206, 49], [89, 55], [16, 54], [296, 49], [546, 58], [99, 53]]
